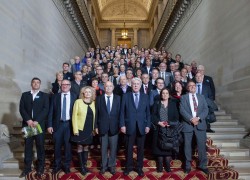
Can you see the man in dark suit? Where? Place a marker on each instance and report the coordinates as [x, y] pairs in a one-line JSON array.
[[34, 108], [205, 90], [123, 87], [66, 74], [77, 84], [59, 124], [146, 85], [107, 120], [155, 94], [148, 68], [194, 110], [207, 79], [165, 75], [135, 123]]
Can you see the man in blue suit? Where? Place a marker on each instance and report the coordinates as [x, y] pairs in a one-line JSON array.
[[59, 124], [135, 123], [107, 119], [194, 109]]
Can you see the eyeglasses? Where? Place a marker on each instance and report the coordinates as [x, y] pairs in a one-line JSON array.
[[65, 84]]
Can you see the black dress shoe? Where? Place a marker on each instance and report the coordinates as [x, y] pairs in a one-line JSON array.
[[204, 170], [102, 171], [140, 172], [210, 131], [24, 173], [55, 170], [66, 170], [126, 172], [112, 170], [187, 171]]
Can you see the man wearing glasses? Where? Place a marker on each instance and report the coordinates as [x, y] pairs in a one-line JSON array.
[[59, 125], [78, 83]]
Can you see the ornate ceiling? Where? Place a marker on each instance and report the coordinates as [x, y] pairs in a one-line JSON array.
[[135, 10]]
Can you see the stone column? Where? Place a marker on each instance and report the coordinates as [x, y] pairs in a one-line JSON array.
[[97, 33], [155, 22], [160, 9], [113, 36], [135, 36], [93, 21], [89, 6]]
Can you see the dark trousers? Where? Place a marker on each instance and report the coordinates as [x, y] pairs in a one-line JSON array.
[[62, 138], [28, 152], [139, 139]]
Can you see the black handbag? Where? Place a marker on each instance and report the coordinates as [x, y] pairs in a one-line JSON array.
[[165, 139]]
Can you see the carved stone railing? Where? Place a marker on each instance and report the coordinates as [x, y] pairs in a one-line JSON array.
[[174, 17], [78, 21]]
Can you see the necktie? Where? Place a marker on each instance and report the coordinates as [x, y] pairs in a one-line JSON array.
[[108, 104], [162, 75], [199, 89], [136, 101], [195, 103], [64, 108], [146, 89]]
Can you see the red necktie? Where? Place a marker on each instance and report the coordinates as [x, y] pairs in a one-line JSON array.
[[195, 103]]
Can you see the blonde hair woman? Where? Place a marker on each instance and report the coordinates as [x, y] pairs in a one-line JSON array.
[[83, 121]]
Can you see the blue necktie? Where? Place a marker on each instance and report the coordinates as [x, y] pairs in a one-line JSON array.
[[136, 100], [108, 104], [64, 108], [199, 89]]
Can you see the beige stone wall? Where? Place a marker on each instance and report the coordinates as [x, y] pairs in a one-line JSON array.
[[105, 37], [35, 40], [217, 35], [143, 38]]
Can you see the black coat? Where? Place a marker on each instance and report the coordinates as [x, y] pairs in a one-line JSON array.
[[39, 107], [107, 123], [173, 118], [118, 90]]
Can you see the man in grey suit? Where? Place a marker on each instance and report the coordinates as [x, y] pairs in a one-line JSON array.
[[165, 75], [194, 110]]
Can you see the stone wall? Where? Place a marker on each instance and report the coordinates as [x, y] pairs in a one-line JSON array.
[[35, 41], [143, 38], [217, 35]]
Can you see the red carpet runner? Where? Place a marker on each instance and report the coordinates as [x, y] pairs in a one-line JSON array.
[[218, 167]]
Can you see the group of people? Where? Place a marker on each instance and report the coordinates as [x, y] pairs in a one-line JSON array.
[[118, 97]]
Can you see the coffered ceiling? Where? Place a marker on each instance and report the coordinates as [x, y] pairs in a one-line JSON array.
[[129, 10]]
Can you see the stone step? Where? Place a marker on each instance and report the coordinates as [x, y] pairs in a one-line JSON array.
[[225, 122], [244, 172], [223, 128], [10, 174], [226, 135], [226, 143], [220, 112], [239, 161], [223, 117], [234, 151]]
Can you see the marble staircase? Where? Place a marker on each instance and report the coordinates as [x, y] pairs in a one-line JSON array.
[[227, 137]]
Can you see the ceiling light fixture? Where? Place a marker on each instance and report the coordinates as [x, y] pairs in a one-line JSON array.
[[124, 31]]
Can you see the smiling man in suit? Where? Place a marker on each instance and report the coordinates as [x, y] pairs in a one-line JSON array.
[[135, 123], [60, 126], [34, 108], [107, 120], [194, 109]]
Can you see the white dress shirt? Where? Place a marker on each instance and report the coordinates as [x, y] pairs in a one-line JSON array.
[[67, 104], [111, 100], [192, 103]]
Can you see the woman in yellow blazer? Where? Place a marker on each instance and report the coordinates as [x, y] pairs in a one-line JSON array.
[[83, 121]]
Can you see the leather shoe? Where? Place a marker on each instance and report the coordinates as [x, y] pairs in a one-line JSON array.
[[102, 171], [140, 172], [126, 172], [187, 171], [24, 173], [66, 170], [210, 131], [204, 170], [55, 170], [112, 170]]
